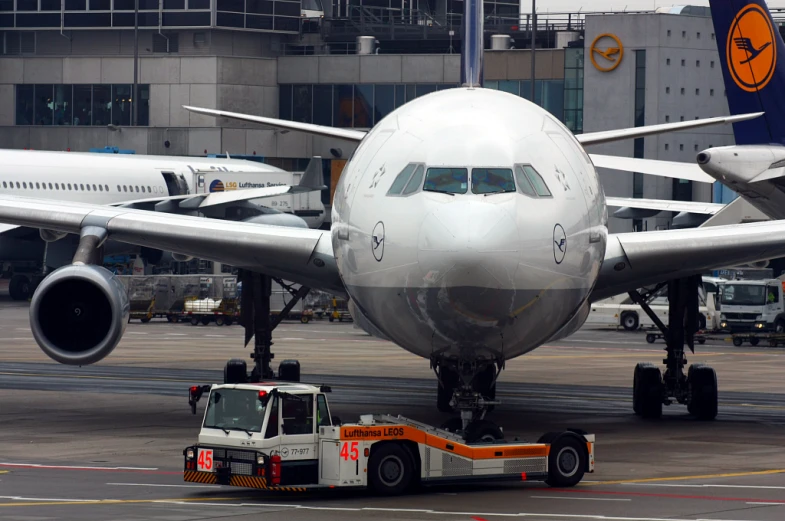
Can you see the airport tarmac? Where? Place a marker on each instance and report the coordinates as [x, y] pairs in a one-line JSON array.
[[106, 441]]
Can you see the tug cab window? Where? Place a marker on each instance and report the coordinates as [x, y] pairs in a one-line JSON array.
[[447, 180], [297, 414], [492, 180], [528, 178]]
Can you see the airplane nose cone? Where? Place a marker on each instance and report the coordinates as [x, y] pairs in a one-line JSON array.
[[469, 243]]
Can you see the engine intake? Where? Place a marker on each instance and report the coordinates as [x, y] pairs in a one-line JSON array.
[[78, 314]]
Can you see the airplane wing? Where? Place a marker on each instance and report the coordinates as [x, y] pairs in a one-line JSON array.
[[300, 255], [666, 206], [672, 169], [591, 138], [606, 136], [312, 179], [634, 260]]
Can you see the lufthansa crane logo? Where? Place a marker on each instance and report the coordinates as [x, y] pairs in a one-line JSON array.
[[377, 241], [559, 243], [606, 52], [751, 50], [217, 186]]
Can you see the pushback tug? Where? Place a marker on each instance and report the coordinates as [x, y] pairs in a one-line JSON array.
[[281, 436]]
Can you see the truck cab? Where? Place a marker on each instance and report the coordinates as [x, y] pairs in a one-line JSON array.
[[752, 306]]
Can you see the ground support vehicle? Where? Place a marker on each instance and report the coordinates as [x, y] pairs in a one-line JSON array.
[[340, 310], [225, 311], [752, 306], [280, 436], [772, 339]]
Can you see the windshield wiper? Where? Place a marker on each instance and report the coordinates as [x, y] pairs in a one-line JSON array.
[[218, 427], [486, 194], [440, 192]]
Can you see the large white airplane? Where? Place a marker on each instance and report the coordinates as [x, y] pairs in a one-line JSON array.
[[469, 227], [161, 183]]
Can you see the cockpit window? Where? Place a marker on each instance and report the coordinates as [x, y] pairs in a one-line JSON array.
[[401, 179], [492, 180], [447, 180], [524, 184], [534, 178], [415, 182]]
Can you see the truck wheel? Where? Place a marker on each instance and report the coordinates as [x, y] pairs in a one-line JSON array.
[[629, 320], [332, 318], [390, 469], [305, 319], [754, 341], [702, 381], [205, 320], [228, 321], [219, 321], [19, 287], [650, 338], [145, 320], [737, 341], [701, 323], [779, 326], [194, 321], [170, 318], [701, 340], [483, 431], [567, 462]]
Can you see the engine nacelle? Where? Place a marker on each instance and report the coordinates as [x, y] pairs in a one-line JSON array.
[[575, 323], [78, 314], [361, 321]]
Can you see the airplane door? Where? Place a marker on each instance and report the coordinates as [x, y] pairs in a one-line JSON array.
[[298, 449]]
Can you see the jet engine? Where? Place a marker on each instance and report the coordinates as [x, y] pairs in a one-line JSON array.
[[78, 314]]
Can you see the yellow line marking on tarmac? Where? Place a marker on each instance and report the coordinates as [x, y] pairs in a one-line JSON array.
[[29, 503], [4, 471], [686, 478]]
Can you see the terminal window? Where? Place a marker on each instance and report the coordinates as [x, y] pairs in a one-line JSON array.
[[80, 104]]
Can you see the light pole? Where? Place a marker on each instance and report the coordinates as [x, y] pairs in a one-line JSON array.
[[135, 94]]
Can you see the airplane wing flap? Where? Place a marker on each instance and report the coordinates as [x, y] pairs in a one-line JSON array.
[[289, 253], [633, 260], [668, 206]]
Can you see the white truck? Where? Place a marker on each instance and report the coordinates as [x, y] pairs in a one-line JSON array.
[[621, 311], [281, 436], [752, 306]]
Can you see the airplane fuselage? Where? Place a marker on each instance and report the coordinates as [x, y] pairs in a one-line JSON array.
[[471, 260]]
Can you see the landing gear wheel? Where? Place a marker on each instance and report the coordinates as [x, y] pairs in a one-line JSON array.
[[390, 469], [194, 321], [289, 371], [145, 320], [19, 287], [205, 321], [647, 391], [737, 341], [448, 380], [453, 425], [754, 341], [567, 461], [483, 431], [629, 321], [702, 381], [235, 371], [219, 321]]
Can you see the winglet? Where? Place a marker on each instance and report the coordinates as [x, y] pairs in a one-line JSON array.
[[313, 177]]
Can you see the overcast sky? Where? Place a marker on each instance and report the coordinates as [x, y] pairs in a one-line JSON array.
[[615, 5]]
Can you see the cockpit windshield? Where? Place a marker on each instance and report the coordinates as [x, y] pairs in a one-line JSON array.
[[492, 180], [235, 410], [447, 180]]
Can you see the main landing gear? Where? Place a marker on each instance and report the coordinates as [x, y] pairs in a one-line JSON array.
[[255, 318], [469, 388], [698, 388]]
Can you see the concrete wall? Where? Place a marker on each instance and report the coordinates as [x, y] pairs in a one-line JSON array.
[[609, 97]]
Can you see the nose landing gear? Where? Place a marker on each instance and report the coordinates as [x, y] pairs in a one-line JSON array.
[[470, 389]]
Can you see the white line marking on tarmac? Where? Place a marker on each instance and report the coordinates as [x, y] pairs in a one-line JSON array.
[[580, 498], [216, 336], [137, 333], [176, 334], [707, 485], [763, 503], [20, 498], [290, 338], [161, 485], [72, 467]]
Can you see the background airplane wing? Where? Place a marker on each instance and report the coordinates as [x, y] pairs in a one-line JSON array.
[[672, 169], [309, 128], [633, 260], [666, 206], [606, 136], [299, 255]]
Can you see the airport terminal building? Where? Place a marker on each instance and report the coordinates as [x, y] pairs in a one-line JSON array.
[[67, 76]]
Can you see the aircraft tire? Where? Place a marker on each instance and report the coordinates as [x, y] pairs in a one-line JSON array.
[[702, 381], [649, 390], [235, 371], [483, 431]]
